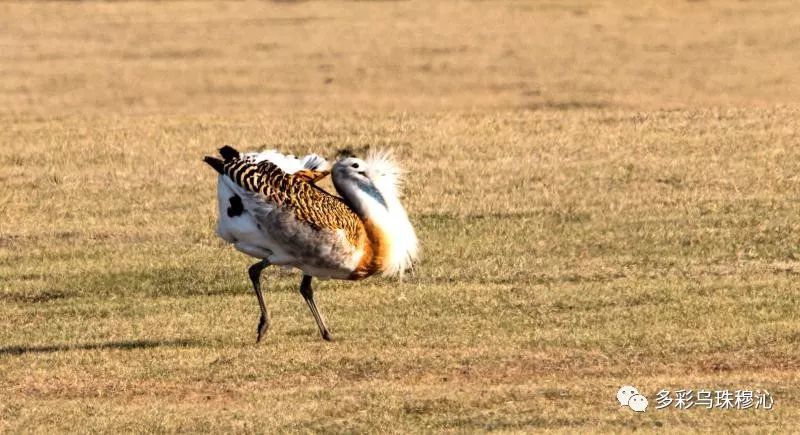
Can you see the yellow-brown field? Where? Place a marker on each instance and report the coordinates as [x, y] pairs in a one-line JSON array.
[[605, 194]]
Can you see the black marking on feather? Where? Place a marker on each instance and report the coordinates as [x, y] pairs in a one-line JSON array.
[[353, 152], [248, 176], [369, 189], [228, 153], [236, 208], [215, 163], [345, 152], [250, 183], [238, 172]]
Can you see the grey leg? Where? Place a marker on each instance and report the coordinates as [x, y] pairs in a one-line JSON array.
[[255, 277], [308, 295]]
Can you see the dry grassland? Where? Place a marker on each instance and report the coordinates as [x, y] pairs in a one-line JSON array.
[[606, 194]]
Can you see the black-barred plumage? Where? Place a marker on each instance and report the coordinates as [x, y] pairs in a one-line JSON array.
[[308, 202]]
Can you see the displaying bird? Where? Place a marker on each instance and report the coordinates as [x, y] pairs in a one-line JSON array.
[[270, 209]]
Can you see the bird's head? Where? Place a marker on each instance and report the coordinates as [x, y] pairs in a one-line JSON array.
[[377, 176], [360, 176]]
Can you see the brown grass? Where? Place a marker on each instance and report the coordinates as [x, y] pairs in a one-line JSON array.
[[606, 194]]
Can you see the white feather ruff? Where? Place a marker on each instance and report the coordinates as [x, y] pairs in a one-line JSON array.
[[387, 177]]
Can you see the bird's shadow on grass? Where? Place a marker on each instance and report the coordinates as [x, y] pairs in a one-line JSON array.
[[117, 345]]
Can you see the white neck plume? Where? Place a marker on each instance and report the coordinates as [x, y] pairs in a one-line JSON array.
[[378, 202]]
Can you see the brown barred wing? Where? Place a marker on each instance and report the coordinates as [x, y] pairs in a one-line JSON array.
[[308, 203], [325, 211]]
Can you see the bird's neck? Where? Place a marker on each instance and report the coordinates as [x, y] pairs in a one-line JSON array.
[[374, 218], [390, 243]]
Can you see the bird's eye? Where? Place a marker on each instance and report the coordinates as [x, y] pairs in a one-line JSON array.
[[354, 166]]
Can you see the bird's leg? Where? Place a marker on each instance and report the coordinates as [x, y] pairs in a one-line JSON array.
[[255, 277], [308, 295]]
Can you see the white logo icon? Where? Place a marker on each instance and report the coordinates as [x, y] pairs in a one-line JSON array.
[[629, 396], [624, 394], [638, 403]]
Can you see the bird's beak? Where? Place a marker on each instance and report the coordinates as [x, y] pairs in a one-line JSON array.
[[311, 176]]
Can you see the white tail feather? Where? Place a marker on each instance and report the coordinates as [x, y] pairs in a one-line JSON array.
[[289, 163]]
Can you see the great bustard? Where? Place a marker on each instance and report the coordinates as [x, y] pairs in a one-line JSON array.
[[270, 208]]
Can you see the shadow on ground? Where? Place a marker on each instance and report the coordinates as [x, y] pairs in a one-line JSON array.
[[121, 345]]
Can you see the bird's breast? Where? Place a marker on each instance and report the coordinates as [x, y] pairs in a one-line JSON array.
[[375, 247]]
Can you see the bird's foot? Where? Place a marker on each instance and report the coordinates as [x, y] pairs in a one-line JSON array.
[[326, 335]]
